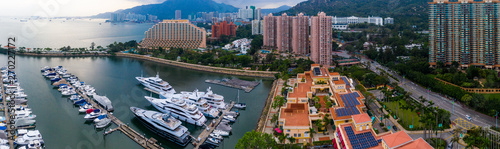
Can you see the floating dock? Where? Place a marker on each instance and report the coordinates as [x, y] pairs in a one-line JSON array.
[[247, 86], [148, 143], [204, 135], [7, 115]]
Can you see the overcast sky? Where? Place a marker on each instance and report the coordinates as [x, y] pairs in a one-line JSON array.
[[93, 7]]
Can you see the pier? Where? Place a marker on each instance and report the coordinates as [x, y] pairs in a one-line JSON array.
[[247, 86], [7, 115], [205, 134], [148, 143]]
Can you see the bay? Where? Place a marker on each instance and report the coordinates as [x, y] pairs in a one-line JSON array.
[[77, 33], [63, 127]]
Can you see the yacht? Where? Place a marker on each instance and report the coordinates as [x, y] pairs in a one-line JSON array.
[[156, 84], [178, 108], [221, 133], [164, 125], [212, 99], [30, 136], [193, 98], [102, 123], [92, 114]]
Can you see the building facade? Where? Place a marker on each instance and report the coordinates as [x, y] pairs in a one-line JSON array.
[[464, 31], [178, 15], [300, 34], [174, 34], [321, 39], [284, 32], [388, 20], [257, 27], [269, 31], [223, 28], [357, 20]]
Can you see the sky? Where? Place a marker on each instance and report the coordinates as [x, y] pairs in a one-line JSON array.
[[63, 8]]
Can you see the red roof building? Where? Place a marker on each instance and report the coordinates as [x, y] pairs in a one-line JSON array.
[[223, 28]]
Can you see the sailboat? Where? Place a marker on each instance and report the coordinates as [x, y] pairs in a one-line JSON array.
[[240, 105]]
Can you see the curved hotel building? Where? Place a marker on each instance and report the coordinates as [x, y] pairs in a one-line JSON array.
[[175, 34]]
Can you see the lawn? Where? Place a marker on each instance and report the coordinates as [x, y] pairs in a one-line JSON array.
[[405, 116]]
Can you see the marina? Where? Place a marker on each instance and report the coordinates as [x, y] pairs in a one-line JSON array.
[[115, 78], [247, 86], [206, 132], [7, 116], [132, 134]]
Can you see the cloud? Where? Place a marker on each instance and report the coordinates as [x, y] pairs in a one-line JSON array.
[[145, 2], [260, 3]]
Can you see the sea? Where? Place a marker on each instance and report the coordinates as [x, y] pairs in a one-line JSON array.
[[60, 123]]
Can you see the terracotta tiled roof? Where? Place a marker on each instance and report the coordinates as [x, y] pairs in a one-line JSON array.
[[295, 115], [417, 144], [396, 139], [361, 118]]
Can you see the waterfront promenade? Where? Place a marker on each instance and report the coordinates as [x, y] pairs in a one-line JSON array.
[[237, 72]]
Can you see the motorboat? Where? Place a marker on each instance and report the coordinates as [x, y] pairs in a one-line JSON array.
[[229, 118], [213, 141], [31, 135], [83, 108], [68, 92], [233, 113], [164, 125], [103, 123], [79, 101], [101, 117], [216, 136], [24, 115], [75, 97], [156, 84], [92, 114], [23, 122], [221, 133], [34, 144], [104, 102], [224, 126], [179, 109]]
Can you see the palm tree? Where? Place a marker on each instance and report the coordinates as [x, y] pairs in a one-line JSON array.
[[311, 133], [282, 138], [292, 140]]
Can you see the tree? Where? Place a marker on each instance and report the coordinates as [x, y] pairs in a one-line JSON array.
[[274, 118], [256, 140], [278, 102], [311, 133], [466, 98], [92, 45], [291, 139]]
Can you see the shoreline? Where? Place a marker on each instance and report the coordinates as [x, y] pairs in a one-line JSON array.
[[264, 116], [219, 70]]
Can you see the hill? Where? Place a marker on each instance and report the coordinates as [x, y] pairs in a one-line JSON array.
[[166, 10], [275, 10], [405, 12]]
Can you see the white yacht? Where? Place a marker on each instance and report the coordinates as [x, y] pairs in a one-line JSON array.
[[179, 109], [212, 99], [156, 84], [164, 125], [30, 136], [194, 98]]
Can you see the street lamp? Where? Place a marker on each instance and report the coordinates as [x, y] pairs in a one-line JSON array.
[[454, 105], [496, 120]]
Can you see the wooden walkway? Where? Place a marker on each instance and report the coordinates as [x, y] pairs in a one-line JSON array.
[[204, 135], [149, 143], [7, 116]]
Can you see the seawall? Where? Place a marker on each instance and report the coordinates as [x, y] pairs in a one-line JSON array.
[[237, 72]]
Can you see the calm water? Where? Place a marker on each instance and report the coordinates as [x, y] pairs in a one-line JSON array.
[[77, 33], [63, 127]]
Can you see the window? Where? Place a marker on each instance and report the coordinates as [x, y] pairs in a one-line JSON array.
[[300, 135], [294, 135], [288, 130]]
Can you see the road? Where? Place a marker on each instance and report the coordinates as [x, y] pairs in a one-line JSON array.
[[456, 109]]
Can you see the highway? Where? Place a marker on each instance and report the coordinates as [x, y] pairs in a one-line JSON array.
[[456, 109]]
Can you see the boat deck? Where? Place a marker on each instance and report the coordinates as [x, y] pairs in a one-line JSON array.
[[149, 143], [7, 116], [204, 135]]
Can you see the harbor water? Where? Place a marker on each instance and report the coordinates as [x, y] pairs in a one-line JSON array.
[[63, 127]]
